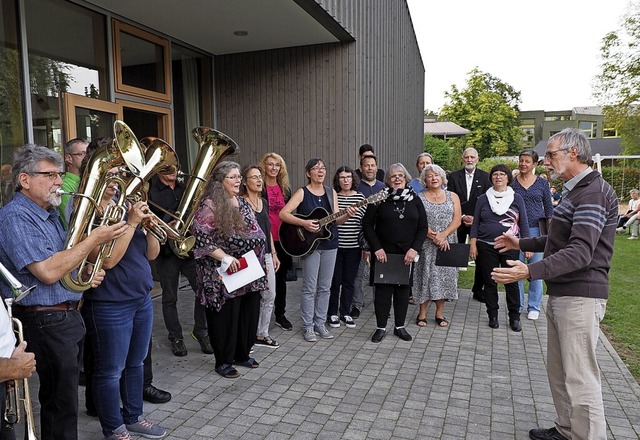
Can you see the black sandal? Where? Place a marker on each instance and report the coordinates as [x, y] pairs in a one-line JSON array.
[[226, 370], [442, 322], [420, 321]]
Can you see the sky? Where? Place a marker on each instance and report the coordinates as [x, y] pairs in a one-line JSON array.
[[549, 50]]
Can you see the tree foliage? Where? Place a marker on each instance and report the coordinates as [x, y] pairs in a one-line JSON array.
[[488, 107], [617, 87]]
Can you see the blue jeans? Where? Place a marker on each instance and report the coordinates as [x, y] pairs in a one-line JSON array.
[[344, 276], [120, 334], [535, 286], [54, 338], [317, 272]]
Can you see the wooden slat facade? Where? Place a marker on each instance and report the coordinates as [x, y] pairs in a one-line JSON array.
[[326, 100]]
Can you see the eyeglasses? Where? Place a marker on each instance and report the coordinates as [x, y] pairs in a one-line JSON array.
[[552, 154], [238, 177], [499, 175], [317, 168], [256, 177], [111, 175], [52, 175], [81, 153], [345, 177], [397, 177]]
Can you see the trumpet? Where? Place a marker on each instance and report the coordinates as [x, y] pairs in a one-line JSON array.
[[16, 394]]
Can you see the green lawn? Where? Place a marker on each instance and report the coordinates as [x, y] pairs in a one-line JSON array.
[[622, 321]]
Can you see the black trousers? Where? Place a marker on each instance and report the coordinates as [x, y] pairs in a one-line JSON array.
[[488, 258], [478, 280], [280, 303], [384, 295], [6, 431], [232, 330]]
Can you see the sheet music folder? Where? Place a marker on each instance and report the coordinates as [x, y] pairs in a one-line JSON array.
[[394, 271], [456, 256]]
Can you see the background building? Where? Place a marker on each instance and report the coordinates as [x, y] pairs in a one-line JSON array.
[[539, 125], [305, 78]]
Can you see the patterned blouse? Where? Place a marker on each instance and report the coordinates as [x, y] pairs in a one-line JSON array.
[[210, 289]]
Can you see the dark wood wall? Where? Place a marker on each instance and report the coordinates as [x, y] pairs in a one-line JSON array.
[[326, 100]]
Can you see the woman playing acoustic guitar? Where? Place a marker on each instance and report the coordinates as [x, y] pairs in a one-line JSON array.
[[317, 266]]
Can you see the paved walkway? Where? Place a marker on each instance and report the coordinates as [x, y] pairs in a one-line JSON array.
[[464, 382]]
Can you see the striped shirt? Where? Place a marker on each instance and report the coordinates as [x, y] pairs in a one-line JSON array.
[[349, 231]]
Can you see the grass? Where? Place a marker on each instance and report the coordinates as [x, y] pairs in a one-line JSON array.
[[621, 323]]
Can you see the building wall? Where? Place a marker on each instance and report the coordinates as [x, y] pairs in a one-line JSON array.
[[326, 100]]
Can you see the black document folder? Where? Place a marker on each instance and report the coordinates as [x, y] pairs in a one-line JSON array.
[[394, 271], [456, 256]]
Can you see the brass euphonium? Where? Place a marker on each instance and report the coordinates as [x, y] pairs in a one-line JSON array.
[[214, 146], [139, 165], [19, 392], [124, 151]]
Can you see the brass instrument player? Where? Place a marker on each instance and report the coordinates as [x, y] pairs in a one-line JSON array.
[[15, 364], [32, 248]]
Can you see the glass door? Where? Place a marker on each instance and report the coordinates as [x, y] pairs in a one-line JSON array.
[[89, 118]]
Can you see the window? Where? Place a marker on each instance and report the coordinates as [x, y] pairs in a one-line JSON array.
[[528, 127], [141, 63], [12, 131], [61, 62], [609, 132], [191, 73], [588, 128]]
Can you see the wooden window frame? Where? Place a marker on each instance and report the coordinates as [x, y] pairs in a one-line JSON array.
[[118, 27], [71, 102], [165, 122]]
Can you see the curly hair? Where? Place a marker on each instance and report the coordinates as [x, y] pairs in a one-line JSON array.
[[26, 160], [283, 175], [228, 217]]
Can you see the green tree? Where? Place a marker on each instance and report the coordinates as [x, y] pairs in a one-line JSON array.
[[488, 107], [617, 87]]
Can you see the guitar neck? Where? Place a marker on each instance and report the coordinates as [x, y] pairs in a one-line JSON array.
[[333, 217]]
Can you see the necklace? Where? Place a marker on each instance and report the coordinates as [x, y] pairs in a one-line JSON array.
[[400, 211], [255, 205], [435, 197]]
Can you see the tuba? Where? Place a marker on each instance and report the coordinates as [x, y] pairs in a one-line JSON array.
[[139, 165], [18, 394], [214, 146]]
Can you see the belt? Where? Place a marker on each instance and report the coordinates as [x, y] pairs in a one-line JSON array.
[[69, 305]]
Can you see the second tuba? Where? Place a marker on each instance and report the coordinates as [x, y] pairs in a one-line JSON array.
[[214, 146]]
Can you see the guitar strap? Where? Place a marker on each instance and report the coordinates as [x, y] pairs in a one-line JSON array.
[[329, 192]]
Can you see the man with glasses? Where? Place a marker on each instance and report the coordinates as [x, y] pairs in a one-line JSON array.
[[166, 192], [575, 267], [32, 249], [469, 183], [74, 151]]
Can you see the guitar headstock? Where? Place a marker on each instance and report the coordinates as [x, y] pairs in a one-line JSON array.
[[378, 197]]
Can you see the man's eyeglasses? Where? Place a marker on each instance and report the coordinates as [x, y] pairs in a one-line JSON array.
[[552, 154], [52, 175], [82, 153]]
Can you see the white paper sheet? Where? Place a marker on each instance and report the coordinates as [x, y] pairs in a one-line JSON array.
[[252, 272]]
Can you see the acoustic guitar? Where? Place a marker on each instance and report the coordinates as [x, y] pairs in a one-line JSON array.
[[298, 242]]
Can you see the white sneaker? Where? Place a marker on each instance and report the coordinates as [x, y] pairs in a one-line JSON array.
[[533, 315], [621, 229], [323, 332], [310, 335], [633, 237], [334, 321], [348, 321]]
